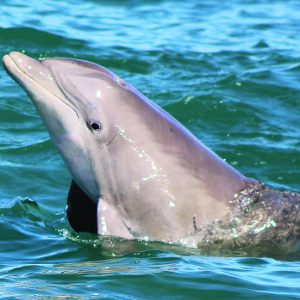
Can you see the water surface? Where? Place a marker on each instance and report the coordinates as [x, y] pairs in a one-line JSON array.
[[228, 70]]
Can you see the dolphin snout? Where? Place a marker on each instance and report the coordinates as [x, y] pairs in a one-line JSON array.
[[17, 62]]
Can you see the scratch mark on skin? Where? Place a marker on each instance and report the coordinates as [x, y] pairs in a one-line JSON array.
[[194, 223]]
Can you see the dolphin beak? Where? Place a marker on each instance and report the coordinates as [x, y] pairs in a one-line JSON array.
[[26, 70], [33, 76]]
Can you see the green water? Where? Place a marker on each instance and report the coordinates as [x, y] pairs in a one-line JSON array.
[[228, 70]]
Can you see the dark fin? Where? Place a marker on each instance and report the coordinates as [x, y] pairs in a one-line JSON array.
[[81, 210]]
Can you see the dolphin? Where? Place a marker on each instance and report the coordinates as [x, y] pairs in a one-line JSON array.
[[137, 172]]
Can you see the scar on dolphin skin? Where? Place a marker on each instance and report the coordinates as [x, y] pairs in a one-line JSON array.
[[109, 145], [194, 223]]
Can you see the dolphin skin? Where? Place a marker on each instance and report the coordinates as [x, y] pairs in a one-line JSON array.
[[137, 172]]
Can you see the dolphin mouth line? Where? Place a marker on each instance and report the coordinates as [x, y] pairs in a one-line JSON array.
[[30, 78]]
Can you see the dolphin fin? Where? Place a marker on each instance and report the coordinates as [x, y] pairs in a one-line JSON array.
[[85, 216], [81, 210], [110, 221]]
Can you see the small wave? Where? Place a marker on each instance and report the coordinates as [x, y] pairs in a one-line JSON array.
[[32, 36]]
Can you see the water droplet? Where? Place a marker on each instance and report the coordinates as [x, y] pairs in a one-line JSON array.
[[172, 204], [98, 94]]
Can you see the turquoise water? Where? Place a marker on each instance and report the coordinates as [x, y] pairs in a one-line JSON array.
[[228, 70]]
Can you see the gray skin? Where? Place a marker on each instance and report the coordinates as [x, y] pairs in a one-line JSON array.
[[148, 175]]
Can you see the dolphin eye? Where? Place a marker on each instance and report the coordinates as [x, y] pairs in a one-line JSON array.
[[94, 126]]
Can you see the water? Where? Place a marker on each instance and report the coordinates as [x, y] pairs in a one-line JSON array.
[[228, 70]]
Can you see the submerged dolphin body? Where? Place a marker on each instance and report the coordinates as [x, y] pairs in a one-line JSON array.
[[137, 172]]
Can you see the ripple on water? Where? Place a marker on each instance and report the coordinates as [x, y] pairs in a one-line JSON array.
[[229, 71]]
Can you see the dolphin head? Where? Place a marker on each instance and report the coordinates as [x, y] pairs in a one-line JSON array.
[[75, 100]]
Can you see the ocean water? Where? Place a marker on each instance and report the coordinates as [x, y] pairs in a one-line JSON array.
[[228, 70]]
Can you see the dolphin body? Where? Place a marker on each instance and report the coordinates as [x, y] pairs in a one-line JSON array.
[[137, 172]]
